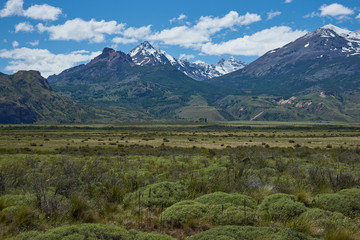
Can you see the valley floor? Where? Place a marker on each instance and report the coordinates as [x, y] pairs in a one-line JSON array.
[[180, 180]]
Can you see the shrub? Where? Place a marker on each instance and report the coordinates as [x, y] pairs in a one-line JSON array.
[[158, 194], [16, 200], [20, 217], [354, 197], [82, 231], [333, 202], [235, 199], [230, 215], [249, 233], [317, 222], [183, 212], [281, 207], [149, 236], [81, 210], [27, 235]]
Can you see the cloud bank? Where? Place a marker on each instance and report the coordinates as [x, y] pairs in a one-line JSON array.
[[39, 12], [43, 60]]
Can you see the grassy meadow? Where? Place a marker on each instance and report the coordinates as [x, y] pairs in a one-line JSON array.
[[251, 180]]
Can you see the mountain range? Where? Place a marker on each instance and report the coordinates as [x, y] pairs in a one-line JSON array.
[[327, 59], [314, 78], [147, 55]]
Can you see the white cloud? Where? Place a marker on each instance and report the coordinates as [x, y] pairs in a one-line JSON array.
[[121, 40], [256, 44], [12, 7], [187, 36], [139, 33], [358, 16], [43, 60], [15, 44], [179, 18], [288, 1], [24, 27], [186, 56], [272, 14], [335, 10], [312, 15], [78, 30], [34, 43], [41, 12]]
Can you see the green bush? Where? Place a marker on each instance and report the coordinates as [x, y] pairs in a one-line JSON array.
[[354, 197], [82, 231], [333, 202], [317, 222], [281, 207], [230, 215], [27, 235], [16, 200], [183, 212], [249, 233], [90, 231], [235, 199], [23, 218], [136, 235], [158, 194]]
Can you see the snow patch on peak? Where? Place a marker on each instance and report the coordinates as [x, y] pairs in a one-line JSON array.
[[146, 54], [329, 29]]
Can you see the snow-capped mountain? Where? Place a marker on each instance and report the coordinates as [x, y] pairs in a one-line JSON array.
[[327, 59], [200, 70], [340, 41], [147, 55], [326, 43]]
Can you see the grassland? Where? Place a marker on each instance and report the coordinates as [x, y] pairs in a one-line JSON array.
[[180, 180]]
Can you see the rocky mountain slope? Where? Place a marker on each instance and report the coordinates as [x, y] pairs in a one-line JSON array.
[[147, 55], [327, 59], [314, 78], [113, 79], [26, 97]]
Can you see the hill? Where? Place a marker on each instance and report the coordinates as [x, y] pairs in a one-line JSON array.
[[26, 97], [113, 79]]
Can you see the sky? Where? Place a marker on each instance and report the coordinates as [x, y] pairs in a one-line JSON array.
[[53, 35]]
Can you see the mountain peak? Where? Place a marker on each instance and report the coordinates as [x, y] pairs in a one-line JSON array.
[[329, 26], [146, 44], [324, 31], [108, 50], [112, 58], [147, 55]]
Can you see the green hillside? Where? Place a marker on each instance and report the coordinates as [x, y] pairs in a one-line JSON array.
[[26, 97]]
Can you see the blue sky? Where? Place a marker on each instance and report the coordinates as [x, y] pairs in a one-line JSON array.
[[53, 35]]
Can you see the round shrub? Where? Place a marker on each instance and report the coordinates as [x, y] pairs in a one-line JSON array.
[[354, 197], [249, 233], [183, 212], [149, 236], [82, 231], [316, 222], [158, 194], [281, 207], [230, 215], [333, 202], [235, 199]]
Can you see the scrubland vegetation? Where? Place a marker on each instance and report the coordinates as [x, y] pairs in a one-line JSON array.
[[180, 182]]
